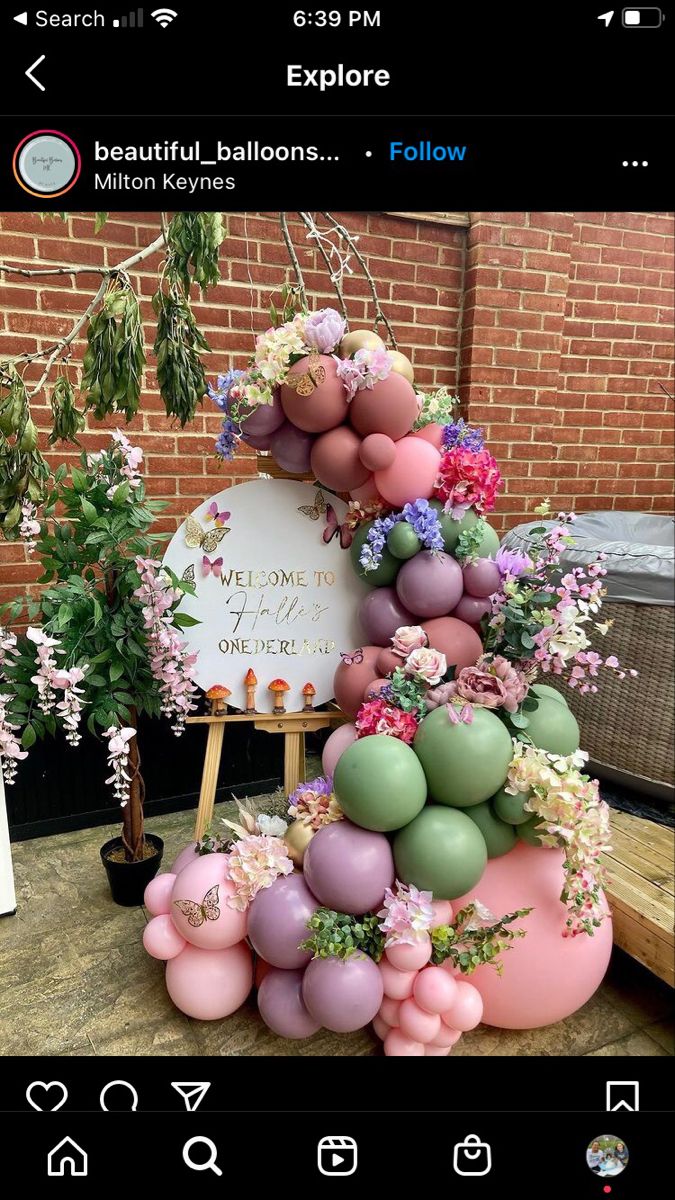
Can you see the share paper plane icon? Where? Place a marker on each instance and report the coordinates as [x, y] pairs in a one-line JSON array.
[[606, 17], [192, 1093]]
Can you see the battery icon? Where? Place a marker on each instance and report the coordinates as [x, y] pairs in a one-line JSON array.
[[641, 18]]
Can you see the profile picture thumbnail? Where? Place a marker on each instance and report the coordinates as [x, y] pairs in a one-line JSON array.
[[607, 1155]]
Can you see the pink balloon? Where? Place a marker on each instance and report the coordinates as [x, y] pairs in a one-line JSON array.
[[442, 913], [259, 441], [381, 613], [398, 985], [187, 855], [459, 643], [380, 1027], [210, 984], [291, 448], [466, 1009], [417, 1024], [282, 1007], [397, 1045], [431, 1051], [390, 407], [367, 493], [326, 407], [377, 451], [373, 689], [207, 877], [389, 1010], [261, 969], [387, 661], [430, 584], [471, 609], [351, 680], [265, 419], [432, 433], [482, 577], [157, 898], [546, 976], [161, 938], [337, 743], [446, 1036], [412, 475], [335, 459], [435, 990], [409, 958]]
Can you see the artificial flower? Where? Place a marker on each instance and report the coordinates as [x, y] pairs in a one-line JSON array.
[[255, 861], [426, 664], [467, 479], [324, 330], [478, 686], [407, 914], [408, 638], [512, 563], [514, 681], [458, 433], [377, 716], [314, 803], [171, 663]]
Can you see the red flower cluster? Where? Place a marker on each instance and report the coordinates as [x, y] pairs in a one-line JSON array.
[[376, 716], [467, 478]]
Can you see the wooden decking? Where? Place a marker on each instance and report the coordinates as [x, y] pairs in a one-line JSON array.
[[640, 891]]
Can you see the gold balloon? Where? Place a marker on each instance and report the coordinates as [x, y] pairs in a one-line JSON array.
[[402, 365], [359, 339], [297, 839]]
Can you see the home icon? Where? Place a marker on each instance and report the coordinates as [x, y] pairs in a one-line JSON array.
[[67, 1159]]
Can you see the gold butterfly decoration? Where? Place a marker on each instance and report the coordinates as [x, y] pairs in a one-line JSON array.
[[315, 375], [203, 539], [188, 575], [196, 913], [315, 510]]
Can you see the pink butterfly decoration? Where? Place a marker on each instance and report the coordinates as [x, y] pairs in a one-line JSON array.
[[333, 528], [210, 567], [212, 514], [355, 658], [463, 716]]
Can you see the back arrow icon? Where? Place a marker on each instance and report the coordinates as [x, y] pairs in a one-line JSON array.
[[29, 72]]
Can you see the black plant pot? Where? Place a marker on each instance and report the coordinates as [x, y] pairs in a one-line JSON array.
[[128, 881]]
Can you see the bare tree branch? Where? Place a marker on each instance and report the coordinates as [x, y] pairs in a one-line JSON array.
[[380, 317], [335, 276], [283, 222]]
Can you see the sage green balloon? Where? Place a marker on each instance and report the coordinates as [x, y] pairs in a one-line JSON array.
[[451, 529], [441, 851], [379, 783], [553, 727], [526, 832], [464, 764], [512, 808], [499, 837], [489, 543], [545, 691], [402, 541], [388, 569]]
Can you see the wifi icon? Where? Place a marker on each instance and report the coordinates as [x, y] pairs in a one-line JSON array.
[[164, 16]]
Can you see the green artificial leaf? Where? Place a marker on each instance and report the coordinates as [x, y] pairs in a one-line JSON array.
[[98, 613], [90, 513], [116, 671], [184, 620], [519, 720], [28, 737], [121, 494], [64, 615], [80, 481], [527, 640]]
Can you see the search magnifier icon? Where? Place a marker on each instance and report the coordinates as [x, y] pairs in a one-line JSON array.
[[210, 1163]]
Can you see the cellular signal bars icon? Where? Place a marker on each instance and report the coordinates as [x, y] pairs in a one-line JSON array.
[[133, 21]]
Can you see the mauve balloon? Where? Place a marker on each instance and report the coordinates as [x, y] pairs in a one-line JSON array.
[[430, 584], [258, 441], [377, 451], [471, 609], [381, 614], [282, 1007], [277, 921], [390, 407], [344, 994], [482, 577], [460, 644], [348, 868], [327, 404], [335, 459], [387, 661], [264, 419], [351, 680], [292, 448]]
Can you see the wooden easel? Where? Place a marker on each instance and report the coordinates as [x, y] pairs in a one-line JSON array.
[[294, 726]]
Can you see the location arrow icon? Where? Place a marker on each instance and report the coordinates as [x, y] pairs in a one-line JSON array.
[[606, 17]]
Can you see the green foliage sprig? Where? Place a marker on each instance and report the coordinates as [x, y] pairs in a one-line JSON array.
[[67, 420], [468, 543], [407, 693], [180, 370], [339, 935], [23, 470], [194, 239], [470, 943], [114, 359]]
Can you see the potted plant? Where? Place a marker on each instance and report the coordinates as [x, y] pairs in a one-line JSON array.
[[102, 642]]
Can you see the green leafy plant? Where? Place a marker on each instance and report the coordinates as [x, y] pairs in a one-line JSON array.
[[23, 471], [406, 692], [114, 360], [468, 543], [194, 239], [180, 371], [475, 938], [339, 935], [67, 420]]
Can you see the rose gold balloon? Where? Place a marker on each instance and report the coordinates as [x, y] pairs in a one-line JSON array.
[[327, 405], [431, 433], [402, 365], [351, 680], [335, 459], [459, 643], [377, 451], [359, 339], [390, 407], [387, 661]]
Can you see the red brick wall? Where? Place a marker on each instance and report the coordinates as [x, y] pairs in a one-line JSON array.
[[562, 318]]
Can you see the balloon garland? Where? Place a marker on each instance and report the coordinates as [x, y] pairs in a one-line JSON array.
[[454, 822]]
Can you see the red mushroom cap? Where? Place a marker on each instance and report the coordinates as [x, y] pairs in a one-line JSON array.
[[250, 677], [218, 692], [279, 685], [309, 690]]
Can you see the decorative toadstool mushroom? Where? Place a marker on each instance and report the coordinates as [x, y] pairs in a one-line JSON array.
[[218, 696], [308, 692], [250, 684], [277, 688]]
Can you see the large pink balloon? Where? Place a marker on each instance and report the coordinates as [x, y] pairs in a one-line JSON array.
[[291, 448], [546, 977], [187, 855], [381, 613], [429, 585], [377, 451], [157, 898], [337, 743], [388, 407], [412, 475], [431, 433], [352, 679], [206, 887], [335, 459], [210, 984], [459, 643], [327, 405], [161, 938], [470, 609]]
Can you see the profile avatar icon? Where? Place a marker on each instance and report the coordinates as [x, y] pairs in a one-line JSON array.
[[47, 163], [607, 1155]]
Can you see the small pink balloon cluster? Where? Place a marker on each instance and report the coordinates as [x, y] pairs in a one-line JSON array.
[[425, 1009], [201, 938]]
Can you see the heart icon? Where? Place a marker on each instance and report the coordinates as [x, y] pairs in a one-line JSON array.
[[44, 1104]]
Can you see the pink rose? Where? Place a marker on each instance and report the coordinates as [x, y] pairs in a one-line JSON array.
[[408, 638], [426, 664], [480, 687]]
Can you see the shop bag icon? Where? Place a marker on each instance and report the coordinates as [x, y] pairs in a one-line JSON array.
[[472, 1157]]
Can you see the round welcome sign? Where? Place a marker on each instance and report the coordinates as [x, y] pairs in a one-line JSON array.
[[270, 593]]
